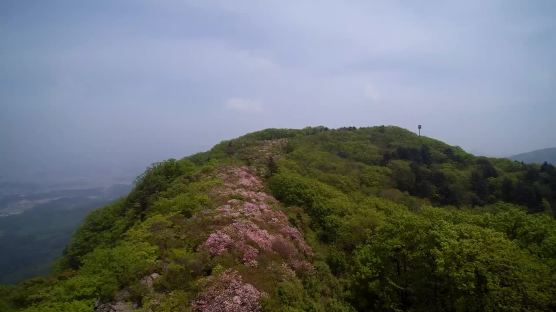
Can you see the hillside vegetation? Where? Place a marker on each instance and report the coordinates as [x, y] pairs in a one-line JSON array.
[[350, 219]]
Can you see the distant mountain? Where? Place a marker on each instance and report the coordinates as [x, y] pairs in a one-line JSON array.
[[538, 156]]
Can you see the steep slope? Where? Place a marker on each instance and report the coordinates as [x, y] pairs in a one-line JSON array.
[[315, 220], [249, 242], [539, 156]]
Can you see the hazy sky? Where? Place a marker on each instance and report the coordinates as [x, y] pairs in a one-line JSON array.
[[110, 86]]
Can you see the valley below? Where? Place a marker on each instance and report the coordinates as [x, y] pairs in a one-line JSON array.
[[36, 223]]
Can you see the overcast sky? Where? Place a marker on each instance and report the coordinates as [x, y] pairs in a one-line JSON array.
[[113, 85]]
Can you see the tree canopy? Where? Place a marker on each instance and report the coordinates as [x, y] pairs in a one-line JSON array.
[[317, 219]]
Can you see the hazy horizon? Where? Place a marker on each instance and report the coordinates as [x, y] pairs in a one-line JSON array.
[[104, 88]]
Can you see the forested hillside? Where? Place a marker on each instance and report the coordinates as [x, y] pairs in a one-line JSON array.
[[349, 219]]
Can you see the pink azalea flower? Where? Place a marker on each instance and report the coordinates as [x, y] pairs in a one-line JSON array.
[[228, 293]]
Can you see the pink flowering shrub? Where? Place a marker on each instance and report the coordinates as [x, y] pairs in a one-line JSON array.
[[217, 243], [240, 177], [237, 236], [228, 293], [247, 226], [249, 231], [283, 247], [250, 255], [294, 234]]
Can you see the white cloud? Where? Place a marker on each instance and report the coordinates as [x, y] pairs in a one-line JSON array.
[[371, 92], [244, 105]]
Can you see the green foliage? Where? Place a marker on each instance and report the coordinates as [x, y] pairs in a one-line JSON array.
[[124, 262], [101, 228], [423, 262], [397, 222], [156, 179], [74, 306], [319, 199], [493, 258]]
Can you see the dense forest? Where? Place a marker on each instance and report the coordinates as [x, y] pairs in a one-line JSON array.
[[318, 219]]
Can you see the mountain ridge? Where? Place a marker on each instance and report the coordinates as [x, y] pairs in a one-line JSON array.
[[537, 156], [348, 219]]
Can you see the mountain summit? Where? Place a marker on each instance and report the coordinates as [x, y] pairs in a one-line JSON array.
[[317, 219]]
